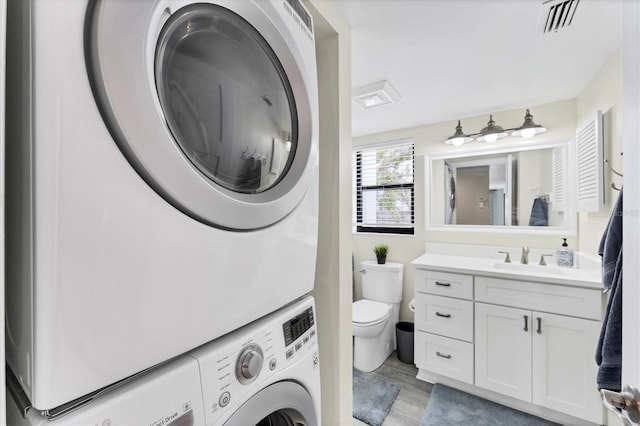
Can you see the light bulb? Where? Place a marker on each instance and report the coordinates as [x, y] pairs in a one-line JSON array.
[[491, 137], [457, 141], [527, 133]]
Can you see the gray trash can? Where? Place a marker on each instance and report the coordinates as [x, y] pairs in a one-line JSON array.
[[404, 337]]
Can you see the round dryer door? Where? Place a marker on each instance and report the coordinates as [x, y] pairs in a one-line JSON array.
[[283, 403], [213, 103]]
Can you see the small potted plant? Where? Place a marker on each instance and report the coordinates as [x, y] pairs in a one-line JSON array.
[[381, 253]]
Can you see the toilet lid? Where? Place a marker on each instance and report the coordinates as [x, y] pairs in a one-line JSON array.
[[368, 311]]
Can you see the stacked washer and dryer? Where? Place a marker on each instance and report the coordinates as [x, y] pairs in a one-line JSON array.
[[162, 196]]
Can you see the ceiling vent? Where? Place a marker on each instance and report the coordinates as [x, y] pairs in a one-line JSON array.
[[374, 95], [558, 14]]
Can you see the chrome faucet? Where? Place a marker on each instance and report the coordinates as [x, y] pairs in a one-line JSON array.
[[525, 255]]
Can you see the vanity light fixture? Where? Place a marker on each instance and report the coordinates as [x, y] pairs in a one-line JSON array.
[[458, 138], [493, 132], [528, 128]]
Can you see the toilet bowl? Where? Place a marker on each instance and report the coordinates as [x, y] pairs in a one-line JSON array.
[[374, 317], [372, 342], [369, 318]]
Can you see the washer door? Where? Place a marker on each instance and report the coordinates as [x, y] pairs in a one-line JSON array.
[[283, 403], [209, 103]]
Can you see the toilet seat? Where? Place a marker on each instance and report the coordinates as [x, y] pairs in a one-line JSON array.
[[370, 312]]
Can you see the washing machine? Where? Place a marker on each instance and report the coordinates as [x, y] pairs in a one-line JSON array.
[[162, 181], [266, 373], [168, 395]]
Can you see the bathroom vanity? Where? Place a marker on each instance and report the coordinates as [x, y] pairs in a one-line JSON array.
[[521, 335]]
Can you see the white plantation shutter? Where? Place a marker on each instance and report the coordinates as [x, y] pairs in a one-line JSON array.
[[383, 188], [589, 141], [558, 194]]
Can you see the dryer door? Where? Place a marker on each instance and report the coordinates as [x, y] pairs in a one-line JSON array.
[[283, 403], [213, 103]]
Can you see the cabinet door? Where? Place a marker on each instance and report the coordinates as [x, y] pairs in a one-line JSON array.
[[564, 369], [503, 350]]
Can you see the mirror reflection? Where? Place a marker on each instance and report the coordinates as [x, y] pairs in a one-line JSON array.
[[509, 189]]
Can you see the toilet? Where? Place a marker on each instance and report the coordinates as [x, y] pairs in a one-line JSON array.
[[375, 316]]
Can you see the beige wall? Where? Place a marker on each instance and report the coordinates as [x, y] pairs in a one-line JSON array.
[[333, 289], [603, 93], [561, 118]]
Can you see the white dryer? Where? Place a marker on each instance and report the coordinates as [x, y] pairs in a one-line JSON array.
[[264, 374], [161, 180]]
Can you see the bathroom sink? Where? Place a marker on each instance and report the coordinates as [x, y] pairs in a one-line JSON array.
[[537, 269]]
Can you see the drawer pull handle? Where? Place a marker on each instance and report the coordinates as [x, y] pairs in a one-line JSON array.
[[441, 284], [539, 330], [526, 322], [443, 315], [443, 355]]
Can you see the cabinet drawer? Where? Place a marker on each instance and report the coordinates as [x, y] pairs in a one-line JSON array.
[[447, 357], [445, 316], [444, 284], [564, 300]]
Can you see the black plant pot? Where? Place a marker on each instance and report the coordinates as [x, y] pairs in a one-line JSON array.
[[382, 258]]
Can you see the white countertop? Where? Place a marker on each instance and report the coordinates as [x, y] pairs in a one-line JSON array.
[[589, 277]]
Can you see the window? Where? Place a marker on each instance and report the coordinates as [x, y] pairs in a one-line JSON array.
[[383, 188]]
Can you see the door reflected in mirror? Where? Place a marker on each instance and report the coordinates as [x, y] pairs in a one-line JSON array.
[[513, 189]]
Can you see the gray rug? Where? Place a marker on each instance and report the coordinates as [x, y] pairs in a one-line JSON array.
[[372, 397], [451, 407]]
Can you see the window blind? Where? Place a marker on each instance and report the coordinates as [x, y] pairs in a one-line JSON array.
[[383, 187]]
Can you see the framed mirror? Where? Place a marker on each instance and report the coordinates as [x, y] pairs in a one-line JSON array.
[[524, 189]]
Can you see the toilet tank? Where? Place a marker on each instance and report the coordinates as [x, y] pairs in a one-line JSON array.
[[382, 283]]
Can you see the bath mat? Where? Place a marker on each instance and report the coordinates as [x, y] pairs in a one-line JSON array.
[[451, 407], [373, 397]]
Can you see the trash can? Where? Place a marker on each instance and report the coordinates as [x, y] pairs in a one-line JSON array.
[[404, 338]]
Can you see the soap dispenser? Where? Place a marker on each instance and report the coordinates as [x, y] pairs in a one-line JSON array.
[[564, 255]]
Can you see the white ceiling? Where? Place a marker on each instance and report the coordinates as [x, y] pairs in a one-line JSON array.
[[451, 59]]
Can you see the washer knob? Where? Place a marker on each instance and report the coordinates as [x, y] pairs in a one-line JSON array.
[[249, 363]]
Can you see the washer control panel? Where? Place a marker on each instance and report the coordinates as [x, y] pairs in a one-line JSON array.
[[249, 363], [297, 326], [236, 366]]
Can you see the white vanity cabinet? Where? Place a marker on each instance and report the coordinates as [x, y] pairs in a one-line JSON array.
[[538, 357], [444, 324], [532, 341]]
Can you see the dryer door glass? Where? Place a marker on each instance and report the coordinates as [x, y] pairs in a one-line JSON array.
[[226, 98]]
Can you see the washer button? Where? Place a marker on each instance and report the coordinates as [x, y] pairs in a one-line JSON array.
[[272, 364], [224, 399], [289, 353]]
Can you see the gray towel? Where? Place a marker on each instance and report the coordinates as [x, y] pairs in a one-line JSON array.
[[539, 213], [611, 244], [609, 350]]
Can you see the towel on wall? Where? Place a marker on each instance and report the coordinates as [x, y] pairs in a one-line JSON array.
[[609, 350], [611, 244], [539, 213]]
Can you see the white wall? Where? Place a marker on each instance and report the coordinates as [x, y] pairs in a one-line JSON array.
[[333, 290], [561, 118]]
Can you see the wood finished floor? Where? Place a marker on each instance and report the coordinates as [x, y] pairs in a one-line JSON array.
[[409, 406]]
